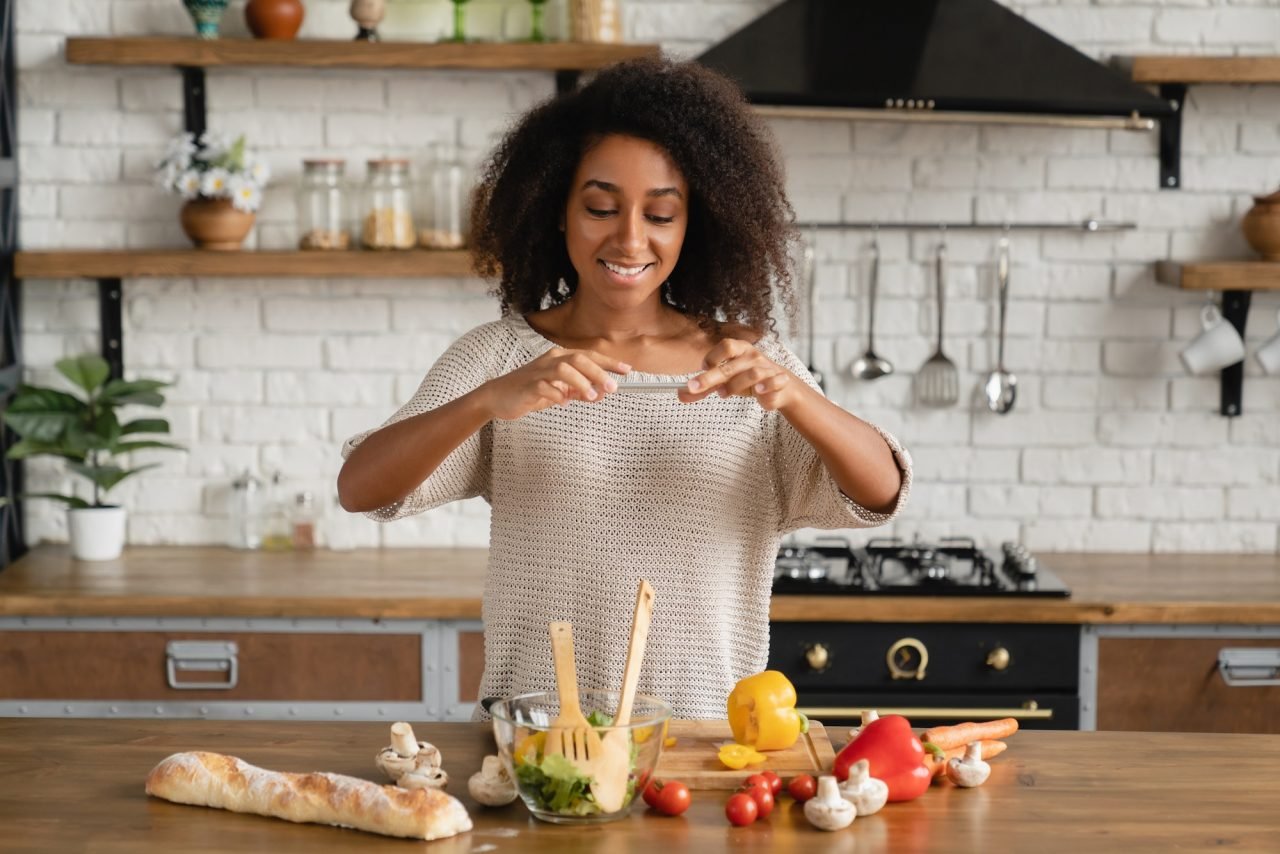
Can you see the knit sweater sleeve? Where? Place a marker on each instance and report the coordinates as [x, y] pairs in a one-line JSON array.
[[808, 494], [469, 362]]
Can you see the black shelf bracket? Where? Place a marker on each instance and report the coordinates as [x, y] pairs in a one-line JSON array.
[[111, 320], [1235, 308], [1171, 136], [195, 115]]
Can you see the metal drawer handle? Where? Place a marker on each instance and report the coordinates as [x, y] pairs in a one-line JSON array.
[[964, 714], [1244, 667], [211, 656]]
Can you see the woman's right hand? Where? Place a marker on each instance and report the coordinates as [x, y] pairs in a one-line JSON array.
[[553, 379]]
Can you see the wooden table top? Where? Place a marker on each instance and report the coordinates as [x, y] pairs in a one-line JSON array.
[[164, 581], [76, 785]]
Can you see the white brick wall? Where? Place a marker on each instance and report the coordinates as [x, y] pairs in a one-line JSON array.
[[1111, 447]]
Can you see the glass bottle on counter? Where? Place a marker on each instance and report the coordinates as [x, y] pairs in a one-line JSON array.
[[304, 521], [245, 512], [323, 214], [444, 200], [388, 206], [276, 535]]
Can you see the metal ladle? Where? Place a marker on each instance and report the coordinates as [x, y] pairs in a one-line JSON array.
[[1001, 386], [869, 366], [811, 283]]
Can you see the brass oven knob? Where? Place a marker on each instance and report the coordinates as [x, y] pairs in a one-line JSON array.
[[907, 659], [998, 658], [818, 656]]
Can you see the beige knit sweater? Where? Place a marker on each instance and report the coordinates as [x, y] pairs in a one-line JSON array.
[[588, 499]]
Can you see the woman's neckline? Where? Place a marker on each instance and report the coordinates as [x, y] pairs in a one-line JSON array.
[[540, 344]]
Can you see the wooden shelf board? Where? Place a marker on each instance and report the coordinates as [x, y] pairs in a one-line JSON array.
[[1220, 275], [169, 263], [1204, 69], [318, 53]]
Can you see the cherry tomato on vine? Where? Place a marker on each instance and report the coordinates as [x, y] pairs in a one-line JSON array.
[[673, 798], [802, 787], [757, 780], [762, 796], [741, 809], [775, 782]]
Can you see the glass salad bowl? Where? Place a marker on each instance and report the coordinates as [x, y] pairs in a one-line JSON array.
[[551, 785]]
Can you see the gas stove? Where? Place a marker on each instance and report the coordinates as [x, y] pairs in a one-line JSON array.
[[953, 566]]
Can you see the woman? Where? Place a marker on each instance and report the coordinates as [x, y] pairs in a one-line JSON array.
[[636, 227]]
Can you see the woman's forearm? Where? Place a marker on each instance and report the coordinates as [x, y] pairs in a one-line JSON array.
[[392, 462], [856, 455]]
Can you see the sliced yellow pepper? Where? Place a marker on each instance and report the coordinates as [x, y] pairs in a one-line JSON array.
[[739, 756], [529, 748], [762, 712]]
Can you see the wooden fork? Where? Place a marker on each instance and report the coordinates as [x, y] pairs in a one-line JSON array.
[[571, 734]]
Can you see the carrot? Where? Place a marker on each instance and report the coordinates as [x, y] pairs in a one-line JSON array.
[[937, 764], [948, 737]]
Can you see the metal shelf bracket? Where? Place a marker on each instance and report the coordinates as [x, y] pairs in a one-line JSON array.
[[1235, 308], [1171, 136]]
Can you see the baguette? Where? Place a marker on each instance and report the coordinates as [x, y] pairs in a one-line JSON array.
[[225, 782]]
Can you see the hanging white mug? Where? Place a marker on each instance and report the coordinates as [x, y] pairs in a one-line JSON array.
[[1217, 346], [1268, 354]]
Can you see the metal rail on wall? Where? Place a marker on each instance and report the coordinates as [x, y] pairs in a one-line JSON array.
[[12, 535]]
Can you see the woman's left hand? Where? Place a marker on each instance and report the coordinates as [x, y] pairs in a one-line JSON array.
[[737, 368]]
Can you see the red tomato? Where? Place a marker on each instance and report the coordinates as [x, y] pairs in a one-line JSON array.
[[651, 790], [802, 787], [775, 782], [763, 797], [741, 809], [757, 780], [673, 798]]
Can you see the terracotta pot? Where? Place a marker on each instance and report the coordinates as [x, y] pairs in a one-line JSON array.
[[215, 224], [1261, 226], [274, 19]]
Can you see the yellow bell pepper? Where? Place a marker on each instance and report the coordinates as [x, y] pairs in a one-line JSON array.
[[739, 756], [529, 749], [762, 712]]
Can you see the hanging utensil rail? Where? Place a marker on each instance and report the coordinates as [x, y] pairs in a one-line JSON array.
[[1083, 225]]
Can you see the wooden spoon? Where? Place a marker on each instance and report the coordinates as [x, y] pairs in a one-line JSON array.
[[571, 734], [613, 767]]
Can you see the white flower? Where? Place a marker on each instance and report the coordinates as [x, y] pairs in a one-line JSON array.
[[245, 195], [213, 144], [167, 175], [181, 146], [189, 184], [259, 171], [214, 184]]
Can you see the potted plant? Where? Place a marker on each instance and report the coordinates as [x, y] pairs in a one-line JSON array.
[[222, 183], [86, 431]]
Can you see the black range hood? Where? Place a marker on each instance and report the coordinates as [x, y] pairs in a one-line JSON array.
[[908, 58]]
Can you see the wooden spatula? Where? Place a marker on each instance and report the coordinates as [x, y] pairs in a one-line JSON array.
[[609, 786], [571, 734]]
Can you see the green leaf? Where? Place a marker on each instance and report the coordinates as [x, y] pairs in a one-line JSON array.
[[88, 371], [106, 477], [31, 448], [146, 425], [71, 501], [138, 392], [130, 447], [43, 414]]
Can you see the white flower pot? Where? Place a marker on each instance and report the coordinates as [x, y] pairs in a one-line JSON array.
[[97, 533]]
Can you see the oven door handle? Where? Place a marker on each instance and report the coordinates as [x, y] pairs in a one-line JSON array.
[[964, 714]]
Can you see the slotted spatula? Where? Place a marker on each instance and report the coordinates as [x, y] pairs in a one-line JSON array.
[[571, 734], [938, 381], [614, 766]]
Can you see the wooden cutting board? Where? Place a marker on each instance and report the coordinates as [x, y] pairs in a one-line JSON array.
[[693, 760]]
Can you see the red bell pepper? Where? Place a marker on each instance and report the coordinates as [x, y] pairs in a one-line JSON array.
[[894, 753]]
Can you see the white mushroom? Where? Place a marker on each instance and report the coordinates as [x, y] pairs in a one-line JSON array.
[[868, 715], [867, 794], [827, 810], [492, 785], [410, 763], [970, 770]]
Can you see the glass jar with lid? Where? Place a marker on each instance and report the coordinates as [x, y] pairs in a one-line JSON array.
[[444, 200], [388, 206], [323, 215]]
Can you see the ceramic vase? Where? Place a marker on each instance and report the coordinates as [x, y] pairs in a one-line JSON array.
[[1261, 226], [215, 224], [96, 533], [207, 14], [368, 14], [274, 19]]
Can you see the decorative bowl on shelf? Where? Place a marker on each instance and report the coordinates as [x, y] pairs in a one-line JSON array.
[[1261, 226], [215, 224], [207, 15], [551, 786], [274, 19]]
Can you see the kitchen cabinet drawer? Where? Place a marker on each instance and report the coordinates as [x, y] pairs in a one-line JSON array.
[[133, 665], [1174, 685]]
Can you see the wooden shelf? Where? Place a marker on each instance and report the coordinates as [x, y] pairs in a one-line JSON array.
[[1220, 275], [317, 53], [1204, 69], [170, 263]]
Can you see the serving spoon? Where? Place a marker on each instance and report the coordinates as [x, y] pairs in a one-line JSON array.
[[613, 767], [1001, 386], [869, 366]]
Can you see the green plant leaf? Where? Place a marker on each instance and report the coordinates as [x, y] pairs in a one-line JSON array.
[[138, 392], [31, 448], [71, 501], [106, 477], [43, 414], [145, 425], [129, 447], [88, 371]]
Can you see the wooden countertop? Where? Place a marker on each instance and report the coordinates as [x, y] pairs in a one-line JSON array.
[[448, 584], [78, 786]]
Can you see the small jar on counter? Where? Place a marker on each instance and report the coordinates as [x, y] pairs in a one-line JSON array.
[[444, 201], [388, 206], [244, 512], [304, 521], [323, 212]]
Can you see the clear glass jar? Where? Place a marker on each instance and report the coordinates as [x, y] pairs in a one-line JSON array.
[[276, 535], [444, 201], [388, 206], [244, 511], [304, 521], [323, 214]]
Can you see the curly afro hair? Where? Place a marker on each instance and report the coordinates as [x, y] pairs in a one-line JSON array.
[[736, 259]]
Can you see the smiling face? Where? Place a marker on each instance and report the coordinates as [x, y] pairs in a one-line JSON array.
[[625, 220]]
